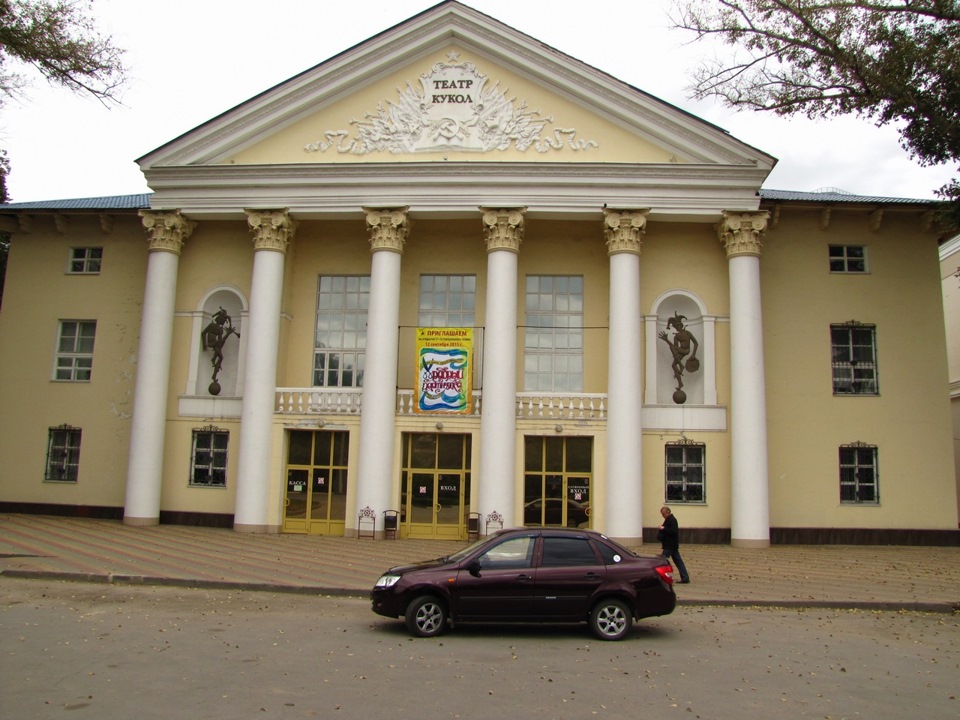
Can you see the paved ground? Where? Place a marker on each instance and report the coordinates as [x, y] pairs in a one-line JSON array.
[[881, 577]]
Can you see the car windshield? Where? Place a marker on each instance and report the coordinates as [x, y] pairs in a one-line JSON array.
[[462, 553]]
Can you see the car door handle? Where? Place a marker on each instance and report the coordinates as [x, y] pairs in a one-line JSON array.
[[524, 578], [592, 576]]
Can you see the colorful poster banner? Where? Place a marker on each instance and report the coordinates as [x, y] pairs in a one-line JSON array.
[[444, 370]]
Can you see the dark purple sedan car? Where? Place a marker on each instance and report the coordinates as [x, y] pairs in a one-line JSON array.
[[546, 575]]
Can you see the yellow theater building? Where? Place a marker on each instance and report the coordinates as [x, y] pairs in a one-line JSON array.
[[453, 279]]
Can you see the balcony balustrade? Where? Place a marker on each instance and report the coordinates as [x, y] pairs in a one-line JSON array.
[[529, 405]]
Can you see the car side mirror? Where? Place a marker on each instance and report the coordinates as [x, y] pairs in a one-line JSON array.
[[474, 568]]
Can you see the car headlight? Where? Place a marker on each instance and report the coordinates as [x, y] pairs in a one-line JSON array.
[[388, 580]]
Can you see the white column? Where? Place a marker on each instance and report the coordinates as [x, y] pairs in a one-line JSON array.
[[624, 483], [388, 229], [167, 233], [742, 234], [503, 229], [272, 232]]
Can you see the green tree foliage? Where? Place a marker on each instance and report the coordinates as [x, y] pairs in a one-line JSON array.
[[59, 39], [891, 61]]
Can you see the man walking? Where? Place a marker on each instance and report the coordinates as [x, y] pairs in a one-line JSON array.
[[669, 537]]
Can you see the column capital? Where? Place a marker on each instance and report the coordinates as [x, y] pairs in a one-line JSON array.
[[388, 228], [624, 229], [742, 232], [503, 228], [272, 229], [167, 230]]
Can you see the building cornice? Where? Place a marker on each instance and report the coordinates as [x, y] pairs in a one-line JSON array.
[[697, 193]]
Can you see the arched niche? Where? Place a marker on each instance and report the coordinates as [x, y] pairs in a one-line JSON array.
[[680, 311], [230, 301]]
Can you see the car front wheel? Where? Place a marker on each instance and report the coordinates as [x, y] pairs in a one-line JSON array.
[[611, 620], [426, 616]]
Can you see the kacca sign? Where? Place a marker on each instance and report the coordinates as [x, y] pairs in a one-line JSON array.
[[444, 370]]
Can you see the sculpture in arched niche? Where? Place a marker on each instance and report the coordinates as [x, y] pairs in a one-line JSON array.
[[682, 351], [216, 342]]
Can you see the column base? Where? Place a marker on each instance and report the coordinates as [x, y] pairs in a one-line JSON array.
[[141, 521], [747, 543]]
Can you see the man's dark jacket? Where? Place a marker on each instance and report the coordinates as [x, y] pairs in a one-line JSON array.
[[669, 536]]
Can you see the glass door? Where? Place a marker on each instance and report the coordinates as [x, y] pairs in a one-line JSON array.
[[435, 486], [315, 498], [557, 480]]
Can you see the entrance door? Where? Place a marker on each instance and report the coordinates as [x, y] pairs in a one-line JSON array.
[[556, 486], [315, 499], [435, 486], [436, 505]]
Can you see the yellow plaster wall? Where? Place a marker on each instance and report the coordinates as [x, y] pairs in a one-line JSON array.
[[615, 143], [39, 293], [909, 421]]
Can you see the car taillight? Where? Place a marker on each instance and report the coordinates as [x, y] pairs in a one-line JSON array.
[[666, 573]]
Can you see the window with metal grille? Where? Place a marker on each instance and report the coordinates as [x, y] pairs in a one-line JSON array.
[[854, 350], [848, 259], [341, 336], [63, 454], [685, 472], [859, 479], [74, 359], [85, 260], [553, 333], [208, 464]]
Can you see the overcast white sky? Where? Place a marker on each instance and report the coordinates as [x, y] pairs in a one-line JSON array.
[[190, 60]]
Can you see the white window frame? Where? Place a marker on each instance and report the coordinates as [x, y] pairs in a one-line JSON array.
[[342, 305], [74, 356], [848, 259], [85, 261], [447, 301], [553, 334]]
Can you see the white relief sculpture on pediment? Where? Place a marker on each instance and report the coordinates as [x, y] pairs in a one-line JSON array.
[[453, 110]]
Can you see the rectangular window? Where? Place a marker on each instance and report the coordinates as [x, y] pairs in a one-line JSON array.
[[553, 338], [447, 301], [848, 259], [86, 260], [63, 454], [854, 350], [74, 360], [341, 337], [208, 465], [858, 474], [686, 466]]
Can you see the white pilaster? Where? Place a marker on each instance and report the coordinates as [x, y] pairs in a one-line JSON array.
[[272, 231], [742, 235], [167, 231], [624, 480], [503, 230], [388, 229]]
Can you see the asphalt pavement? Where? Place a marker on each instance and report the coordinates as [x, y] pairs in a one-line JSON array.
[[107, 551]]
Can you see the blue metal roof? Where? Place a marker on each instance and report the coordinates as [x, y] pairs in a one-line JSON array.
[[832, 195], [142, 201], [110, 202]]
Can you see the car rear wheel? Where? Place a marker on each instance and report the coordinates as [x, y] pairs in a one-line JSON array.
[[611, 619], [426, 616]]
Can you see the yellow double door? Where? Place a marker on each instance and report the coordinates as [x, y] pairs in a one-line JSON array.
[[435, 505]]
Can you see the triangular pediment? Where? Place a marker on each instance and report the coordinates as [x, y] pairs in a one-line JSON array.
[[453, 80], [453, 87]]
